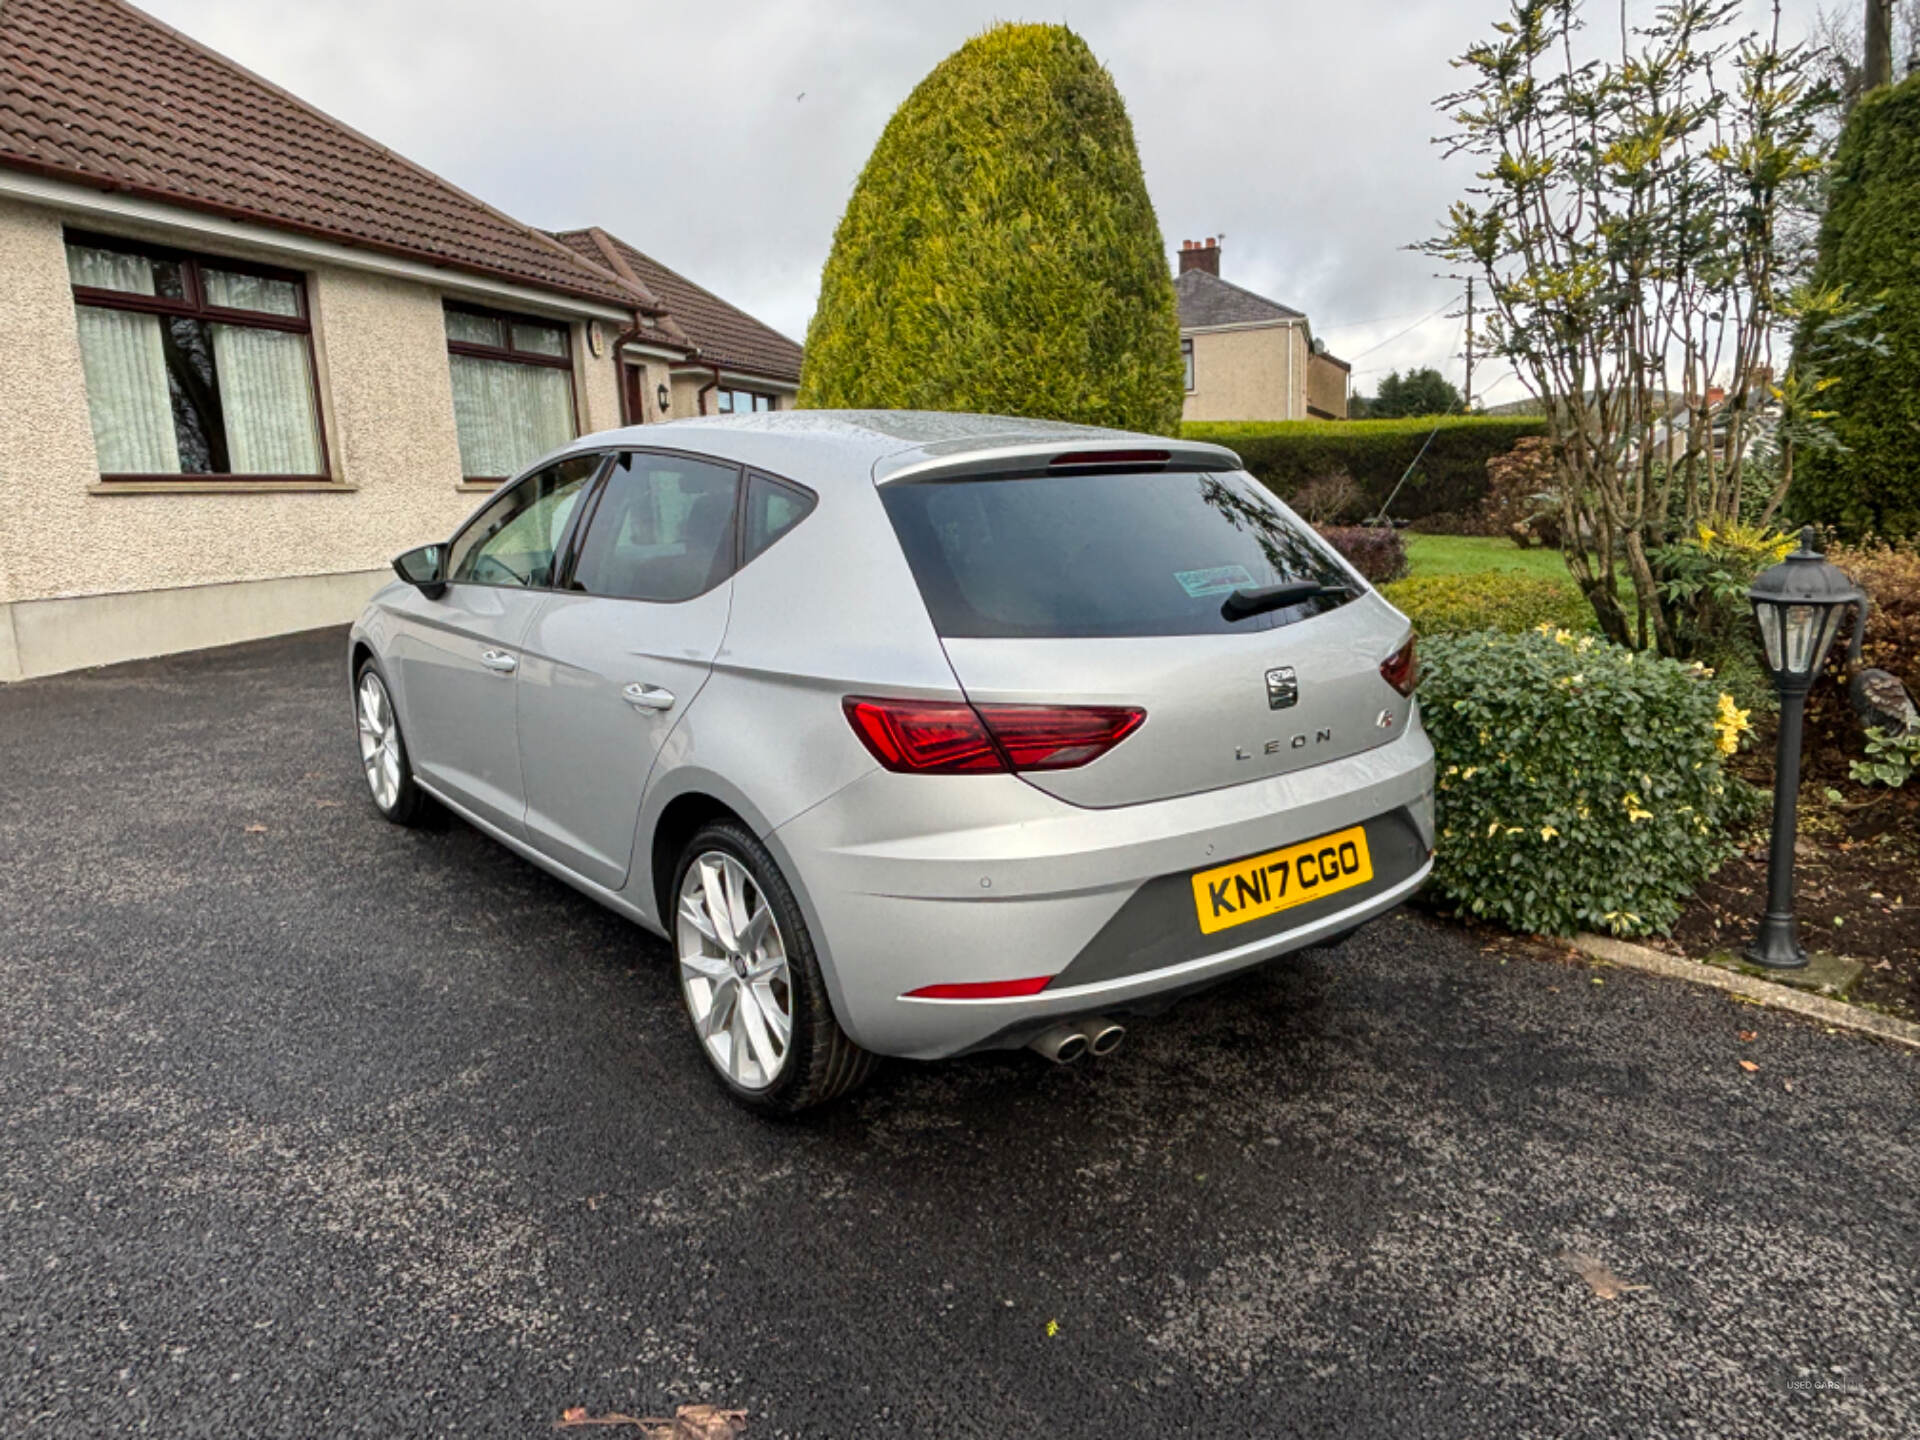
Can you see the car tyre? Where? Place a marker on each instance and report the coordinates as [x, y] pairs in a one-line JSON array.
[[752, 973], [383, 749]]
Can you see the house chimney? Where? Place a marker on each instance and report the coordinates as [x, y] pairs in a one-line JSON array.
[[1200, 255]]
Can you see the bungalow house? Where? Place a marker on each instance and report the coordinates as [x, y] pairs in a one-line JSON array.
[[1248, 357], [248, 354]]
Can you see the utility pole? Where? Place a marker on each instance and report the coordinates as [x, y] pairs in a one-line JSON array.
[[1468, 403], [1878, 68]]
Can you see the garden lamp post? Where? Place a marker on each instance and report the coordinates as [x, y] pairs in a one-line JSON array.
[[1798, 603]]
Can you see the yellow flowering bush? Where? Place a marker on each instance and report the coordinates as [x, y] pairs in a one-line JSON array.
[[1582, 786]]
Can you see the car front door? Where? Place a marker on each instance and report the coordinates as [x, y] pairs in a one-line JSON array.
[[615, 656], [459, 655]]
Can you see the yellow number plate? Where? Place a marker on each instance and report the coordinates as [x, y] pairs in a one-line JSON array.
[[1280, 879]]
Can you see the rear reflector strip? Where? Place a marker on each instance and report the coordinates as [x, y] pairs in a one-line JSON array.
[[982, 989]]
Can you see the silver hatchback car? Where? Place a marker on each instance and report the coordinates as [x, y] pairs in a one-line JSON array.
[[914, 734]]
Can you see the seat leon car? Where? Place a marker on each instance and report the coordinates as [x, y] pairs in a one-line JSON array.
[[913, 734]]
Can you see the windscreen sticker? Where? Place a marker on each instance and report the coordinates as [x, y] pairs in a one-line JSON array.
[[1218, 581]]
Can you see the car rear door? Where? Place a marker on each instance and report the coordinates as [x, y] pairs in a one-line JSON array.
[[1095, 587], [615, 656], [458, 655]]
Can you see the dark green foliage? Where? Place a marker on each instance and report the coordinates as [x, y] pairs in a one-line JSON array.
[[1000, 254], [1374, 550], [1870, 245], [1285, 455], [1581, 785], [1418, 392], [1489, 600]]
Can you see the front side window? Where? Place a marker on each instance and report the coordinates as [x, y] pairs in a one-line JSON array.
[[662, 530], [512, 390], [1186, 355], [1102, 554], [195, 367], [517, 538], [744, 402]]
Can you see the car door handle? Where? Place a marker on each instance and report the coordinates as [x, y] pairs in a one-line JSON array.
[[499, 660], [647, 697]]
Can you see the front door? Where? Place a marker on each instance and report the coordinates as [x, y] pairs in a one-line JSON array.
[[613, 660], [459, 655]]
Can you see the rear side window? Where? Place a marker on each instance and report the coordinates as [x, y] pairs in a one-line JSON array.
[[661, 530], [772, 510], [1092, 555]]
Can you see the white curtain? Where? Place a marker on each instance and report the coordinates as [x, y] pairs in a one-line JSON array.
[[235, 291], [127, 396], [126, 368], [508, 414], [266, 396]]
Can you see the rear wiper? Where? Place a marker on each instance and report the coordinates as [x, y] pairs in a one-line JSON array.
[[1244, 603]]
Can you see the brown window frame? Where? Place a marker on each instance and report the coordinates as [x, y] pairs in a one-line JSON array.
[[508, 319], [1192, 376], [772, 399], [194, 307]]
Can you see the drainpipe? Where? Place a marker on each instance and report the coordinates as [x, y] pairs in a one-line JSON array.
[[708, 388]]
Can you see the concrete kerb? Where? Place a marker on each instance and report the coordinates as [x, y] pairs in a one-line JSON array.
[[1780, 997]]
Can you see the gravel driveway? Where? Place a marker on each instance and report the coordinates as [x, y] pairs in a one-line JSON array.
[[310, 1126]]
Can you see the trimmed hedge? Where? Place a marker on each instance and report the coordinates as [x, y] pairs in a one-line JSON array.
[[1451, 478], [1582, 786], [1000, 254], [1869, 244], [1491, 600]]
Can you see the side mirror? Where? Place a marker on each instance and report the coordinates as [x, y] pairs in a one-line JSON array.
[[422, 569]]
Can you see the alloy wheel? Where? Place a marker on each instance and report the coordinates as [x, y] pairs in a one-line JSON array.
[[733, 970], [379, 741]]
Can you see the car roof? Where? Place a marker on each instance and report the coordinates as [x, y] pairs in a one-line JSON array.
[[837, 447]]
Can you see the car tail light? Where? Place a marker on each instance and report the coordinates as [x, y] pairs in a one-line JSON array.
[[1400, 669], [982, 989], [944, 737]]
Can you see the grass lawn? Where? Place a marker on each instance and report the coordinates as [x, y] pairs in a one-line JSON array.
[[1477, 554]]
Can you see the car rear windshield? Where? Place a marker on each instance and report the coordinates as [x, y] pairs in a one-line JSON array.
[[1102, 554]]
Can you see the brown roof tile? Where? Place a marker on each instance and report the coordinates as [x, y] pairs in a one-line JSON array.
[[97, 92], [725, 334]]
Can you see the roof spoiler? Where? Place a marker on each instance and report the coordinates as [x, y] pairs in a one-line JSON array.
[[973, 461]]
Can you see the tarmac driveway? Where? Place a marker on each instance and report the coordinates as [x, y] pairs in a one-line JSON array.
[[310, 1126]]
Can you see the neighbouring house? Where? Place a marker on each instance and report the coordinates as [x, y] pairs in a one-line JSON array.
[[1248, 357], [247, 354]]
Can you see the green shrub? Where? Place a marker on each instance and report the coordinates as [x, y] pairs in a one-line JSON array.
[[1869, 242], [1581, 785], [1491, 600], [1451, 478], [999, 252]]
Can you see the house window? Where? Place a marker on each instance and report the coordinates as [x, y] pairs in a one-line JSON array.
[[512, 390], [195, 367], [1186, 354], [742, 402]]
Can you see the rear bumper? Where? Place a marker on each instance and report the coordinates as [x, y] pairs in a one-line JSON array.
[[910, 881]]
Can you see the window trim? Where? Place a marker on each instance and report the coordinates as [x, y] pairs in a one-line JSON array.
[[508, 354], [194, 307]]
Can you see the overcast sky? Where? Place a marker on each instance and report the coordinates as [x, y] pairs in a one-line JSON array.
[[723, 139]]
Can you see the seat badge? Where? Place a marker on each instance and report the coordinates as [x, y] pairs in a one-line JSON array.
[[1282, 688]]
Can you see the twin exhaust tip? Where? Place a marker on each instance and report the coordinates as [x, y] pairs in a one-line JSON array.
[[1064, 1044]]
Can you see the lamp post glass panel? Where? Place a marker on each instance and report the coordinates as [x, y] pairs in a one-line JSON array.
[[1799, 603]]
